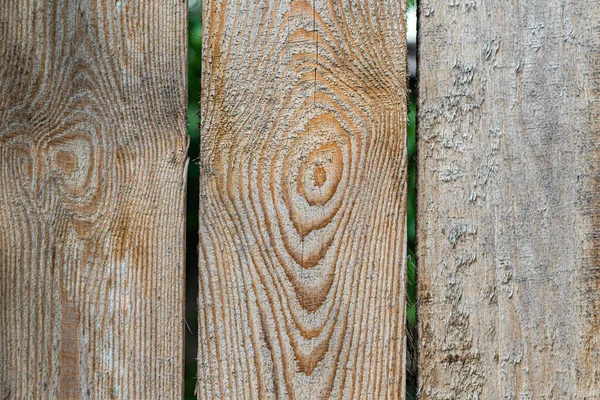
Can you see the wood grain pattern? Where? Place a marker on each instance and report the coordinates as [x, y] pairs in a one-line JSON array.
[[302, 200], [509, 199], [92, 171]]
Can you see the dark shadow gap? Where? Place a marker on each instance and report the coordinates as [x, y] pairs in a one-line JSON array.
[[411, 207], [192, 200], [191, 283]]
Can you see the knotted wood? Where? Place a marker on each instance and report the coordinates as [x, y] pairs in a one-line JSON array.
[[302, 200], [92, 172]]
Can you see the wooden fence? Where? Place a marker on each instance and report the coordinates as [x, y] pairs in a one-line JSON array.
[[303, 198]]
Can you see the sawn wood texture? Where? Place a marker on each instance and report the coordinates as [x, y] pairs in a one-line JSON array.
[[92, 187], [302, 200]]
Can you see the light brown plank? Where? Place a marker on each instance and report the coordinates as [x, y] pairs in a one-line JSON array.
[[302, 200], [92, 172], [509, 199]]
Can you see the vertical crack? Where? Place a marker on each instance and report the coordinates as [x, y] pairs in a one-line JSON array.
[[316, 49]]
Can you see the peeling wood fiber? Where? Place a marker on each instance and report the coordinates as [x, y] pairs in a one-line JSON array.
[[509, 199]]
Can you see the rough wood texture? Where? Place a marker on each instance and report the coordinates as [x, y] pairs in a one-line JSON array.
[[92, 172], [302, 200], [509, 199]]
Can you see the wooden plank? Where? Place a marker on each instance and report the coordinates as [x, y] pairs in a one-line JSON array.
[[509, 199], [302, 200], [92, 171]]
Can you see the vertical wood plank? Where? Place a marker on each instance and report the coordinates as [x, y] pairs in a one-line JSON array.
[[92, 172], [509, 199], [302, 200]]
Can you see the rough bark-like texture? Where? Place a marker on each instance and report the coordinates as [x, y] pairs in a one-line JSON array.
[[92, 172], [509, 203], [302, 200]]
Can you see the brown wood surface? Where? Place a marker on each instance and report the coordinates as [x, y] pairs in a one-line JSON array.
[[509, 199], [302, 200], [92, 172]]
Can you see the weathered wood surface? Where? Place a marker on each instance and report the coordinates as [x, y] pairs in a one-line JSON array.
[[92, 172], [509, 199], [302, 200]]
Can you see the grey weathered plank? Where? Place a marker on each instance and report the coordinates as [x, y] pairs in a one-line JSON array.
[[509, 199], [302, 200], [92, 171]]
